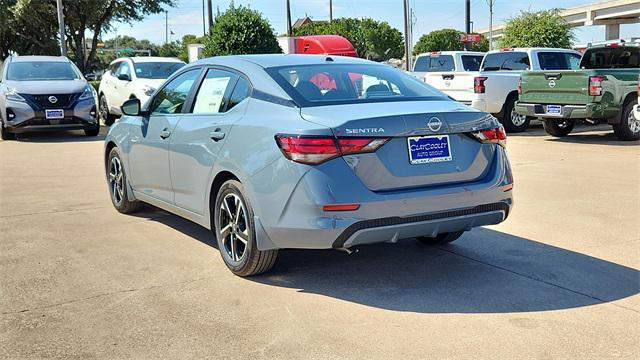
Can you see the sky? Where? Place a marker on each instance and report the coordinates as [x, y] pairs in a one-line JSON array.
[[186, 16]]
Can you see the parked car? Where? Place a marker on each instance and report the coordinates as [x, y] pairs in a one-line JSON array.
[[39, 93], [605, 90], [451, 72], [249, 147], [132, 77], [496, 86]]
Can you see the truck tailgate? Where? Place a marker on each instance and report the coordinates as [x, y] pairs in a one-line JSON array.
[[555, 87], [458, 85]]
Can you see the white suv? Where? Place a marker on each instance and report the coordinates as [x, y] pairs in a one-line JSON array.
[[132, 77]]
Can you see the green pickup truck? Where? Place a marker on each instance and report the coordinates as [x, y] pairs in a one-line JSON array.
[[603, 90]]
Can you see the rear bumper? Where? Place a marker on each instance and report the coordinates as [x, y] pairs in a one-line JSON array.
[[588, 111]]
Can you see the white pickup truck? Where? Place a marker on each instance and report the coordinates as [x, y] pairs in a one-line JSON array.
[[495, 87], [451, 72]]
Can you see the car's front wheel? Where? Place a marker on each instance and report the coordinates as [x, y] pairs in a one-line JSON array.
[[441, 239], [92, 130], [118, 189], [629, 127], [103, 111], [235, 232], [5, 134], [558, 128]]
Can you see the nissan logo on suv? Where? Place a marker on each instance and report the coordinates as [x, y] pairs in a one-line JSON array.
[[53, 99]]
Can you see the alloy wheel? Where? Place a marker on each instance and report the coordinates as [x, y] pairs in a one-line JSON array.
[[517, 119], [563, 124], [104, 111], [634, 124], [116, 180], [234, 228]]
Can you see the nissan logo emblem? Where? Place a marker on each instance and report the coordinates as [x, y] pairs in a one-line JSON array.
[[53, 99], [552, 84], [434, 124]]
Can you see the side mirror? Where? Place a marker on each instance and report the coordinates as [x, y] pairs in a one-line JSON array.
[[131, 107], [124, 77]]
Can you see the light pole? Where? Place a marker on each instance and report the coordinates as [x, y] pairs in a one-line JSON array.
[[407, 64], [330, 10], [63, 45], [490, 3], [467, 14], [289, 29]]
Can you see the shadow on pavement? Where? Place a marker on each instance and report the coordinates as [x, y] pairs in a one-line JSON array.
[[61, 136], [486, 271]]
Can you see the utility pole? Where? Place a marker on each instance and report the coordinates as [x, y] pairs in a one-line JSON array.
[[330, 10], [166, 27], [210, 14], [407, 64], [63, 43], [467, 14], [204, 27], [289, 28], [490, 3]]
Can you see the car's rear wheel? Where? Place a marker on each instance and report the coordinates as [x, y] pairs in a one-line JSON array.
[[118, 189], [511, 120], [5, 134], [558, 128], [629, 127], [235, 232], [103, 110], [440, 239]]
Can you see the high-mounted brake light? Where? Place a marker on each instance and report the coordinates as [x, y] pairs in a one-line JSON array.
[[595, 85], [492, 136], [478, 84], [318, 149], [520, 86], [506, 49]]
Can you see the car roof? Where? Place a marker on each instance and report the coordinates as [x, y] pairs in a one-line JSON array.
[[142, 59], [521, 49], [275, 60], [461, 52], [32, 58]]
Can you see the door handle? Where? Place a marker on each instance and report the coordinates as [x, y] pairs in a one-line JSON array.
[[165, 133], [217, 134], [448, 76]]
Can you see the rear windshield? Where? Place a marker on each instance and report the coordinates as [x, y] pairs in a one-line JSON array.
[[471, 62], [42, 71], [434, 63], [558, 61], [508, 60], [327, 84], [611, 58], [156, 70]]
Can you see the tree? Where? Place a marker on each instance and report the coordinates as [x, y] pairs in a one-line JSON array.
[[240, 30], [26, 28], [99, 15], [446, 40], [537, 29], [170, 49], [372, 39]]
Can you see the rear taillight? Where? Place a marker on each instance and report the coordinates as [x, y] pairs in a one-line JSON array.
[[478, 84], [595, 85], [318, 149], [492, 136], [520, 86]]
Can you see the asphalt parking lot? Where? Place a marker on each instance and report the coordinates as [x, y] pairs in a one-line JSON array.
[[558, 279]]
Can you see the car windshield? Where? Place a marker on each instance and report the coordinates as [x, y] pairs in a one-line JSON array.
[[327, 84], [156, 70], [42, 71]]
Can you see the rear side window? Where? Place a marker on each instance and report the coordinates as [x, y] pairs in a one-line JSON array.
[[611, 58], [240, 92], [211, 95], [471, 62], [558, 61], [507, 60]]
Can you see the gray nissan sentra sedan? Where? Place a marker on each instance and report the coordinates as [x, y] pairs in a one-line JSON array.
[[306, 151], [42, 93]]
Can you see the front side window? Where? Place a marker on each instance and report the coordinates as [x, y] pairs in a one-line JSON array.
[[114, 67], [350, 83], [172, 97], [124, 69], [507, 60], [156, 70], [211, 95], [42, 71], [558, 61]]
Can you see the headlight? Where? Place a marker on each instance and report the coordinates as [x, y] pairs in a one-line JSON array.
[[88, 93], [148, 90], [13, 95]]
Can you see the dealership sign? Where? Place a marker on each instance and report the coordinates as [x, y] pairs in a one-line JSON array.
[[470, 37]]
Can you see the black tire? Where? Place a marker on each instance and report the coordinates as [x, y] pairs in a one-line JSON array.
[[512, 121], [558, 128], [92, 131], [5, 134], [629, 127], [252, 261], [119, 199], [103, 111], [441, 239]]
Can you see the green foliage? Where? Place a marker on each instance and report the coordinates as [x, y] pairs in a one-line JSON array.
[[372, 39], [537, 29], [446, 40], [26, 28], [240, 30], [171, 49]]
